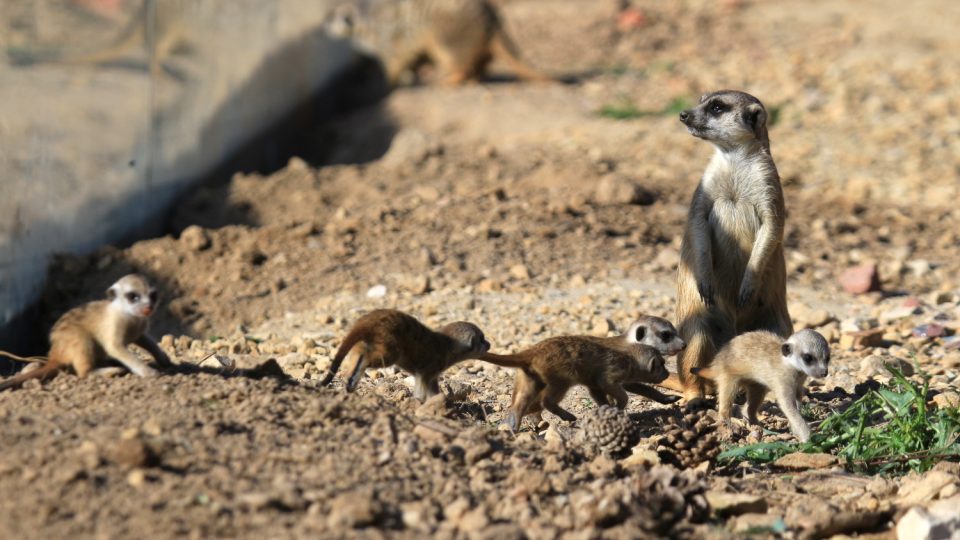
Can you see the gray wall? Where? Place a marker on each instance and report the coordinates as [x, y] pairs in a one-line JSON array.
[[94, 152]]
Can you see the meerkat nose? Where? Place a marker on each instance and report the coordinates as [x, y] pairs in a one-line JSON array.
[[684, 115]]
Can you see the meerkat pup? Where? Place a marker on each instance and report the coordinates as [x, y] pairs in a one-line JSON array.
[[554, 365], [460, 36], [86, 335], [732, 275], [387, 337], [648, 330], [760, 361]]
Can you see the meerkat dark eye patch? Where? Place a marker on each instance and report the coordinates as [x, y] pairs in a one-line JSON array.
[[717, 108], [807, 358], [153, 296], [132, 297], [785, 349], [641, 333], [666, 336]]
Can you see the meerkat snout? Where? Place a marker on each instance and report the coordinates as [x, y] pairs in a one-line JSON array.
[[807, 351]]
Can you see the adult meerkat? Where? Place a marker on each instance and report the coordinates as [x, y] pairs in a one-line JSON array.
[[460, 36], [387, 337], [554, 365], [732, 275], [86, 335], [761, 361]]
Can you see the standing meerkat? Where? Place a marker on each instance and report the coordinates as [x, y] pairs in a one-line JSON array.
[[387, 337], [732, 274], [761, 361], [86, 335], [554, 365], [460, 36]]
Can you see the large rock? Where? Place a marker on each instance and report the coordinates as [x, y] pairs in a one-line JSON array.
[[939, 521], [860, 279]]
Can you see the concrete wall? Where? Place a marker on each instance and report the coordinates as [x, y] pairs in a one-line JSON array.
[[92, 153]]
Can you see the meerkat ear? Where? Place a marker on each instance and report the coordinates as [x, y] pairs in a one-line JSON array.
[[755, 117], [111, 293], [785, 349]]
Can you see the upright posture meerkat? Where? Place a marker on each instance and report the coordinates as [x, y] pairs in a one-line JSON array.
[[387, 337], [732, 275], [761, 361], [460, 36], [552, 366], [88, 334]]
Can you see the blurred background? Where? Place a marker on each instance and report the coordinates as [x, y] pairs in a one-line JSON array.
[[195, 118]]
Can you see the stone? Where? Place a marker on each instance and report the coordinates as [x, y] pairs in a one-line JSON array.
[[435, 406], [377, 291], [616, 188], [930, 330], [758, 523], [807, 317], [876, 366], [801, 461], [947, 399], [353, 509], [860, 279], [734, 504], [861, 339], [520, 272], [602, 326], [195, 238], [898, 313], [940, 521], [921, 489], [132, 452]]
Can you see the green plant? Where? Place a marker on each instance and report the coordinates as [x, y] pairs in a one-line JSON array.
[[624, 109], [888, 430]]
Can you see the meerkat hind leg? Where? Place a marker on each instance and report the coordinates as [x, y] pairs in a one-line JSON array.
[[755, 394]]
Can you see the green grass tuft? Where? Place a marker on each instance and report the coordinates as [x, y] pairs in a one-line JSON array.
[[624, 109], [889, 430]]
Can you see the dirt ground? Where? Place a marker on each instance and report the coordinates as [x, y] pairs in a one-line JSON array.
[[523, 209]]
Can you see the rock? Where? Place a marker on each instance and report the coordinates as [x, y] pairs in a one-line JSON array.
[[616, 188], [919, 267], [195, 238], [377, 291], [800, 461], [435, 406], [898, 313], [947, 399], [861, 339], [924, 488], [642, 457], [602, 326], [858, 323], [928, 331], [734, 504], [411, 146], [758, 523], [876, 366], [810, 318], [419, 284], [860, 279], [520, 272], [132, 452], [353, 509], [940, 521]]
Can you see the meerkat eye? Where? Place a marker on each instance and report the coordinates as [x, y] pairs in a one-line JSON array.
[[666, 335], [132, 297], [807, 358], [716, 108]]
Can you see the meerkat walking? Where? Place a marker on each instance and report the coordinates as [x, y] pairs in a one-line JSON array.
[[387, 337], [460, 36], [86, 335], [732, 274], [554, 365], [761, 361]]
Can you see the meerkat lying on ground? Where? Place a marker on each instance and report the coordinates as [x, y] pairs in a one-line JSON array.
[[460, 36], [761, 361], [552, 366], [387, 337], [86, 335], [732, 274]]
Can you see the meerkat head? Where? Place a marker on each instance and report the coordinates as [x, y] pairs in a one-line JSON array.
[[468, 337], [133, 295], [728, 119], [653, 366], [807, 351], [657, 333]]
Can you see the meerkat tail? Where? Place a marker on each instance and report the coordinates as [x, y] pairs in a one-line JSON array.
[[17, 380], [504, 47], [704, 372], [28, 359], [348, 343], [505, 360]]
